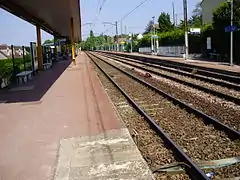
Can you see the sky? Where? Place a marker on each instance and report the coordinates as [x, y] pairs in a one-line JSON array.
[[19, 32]]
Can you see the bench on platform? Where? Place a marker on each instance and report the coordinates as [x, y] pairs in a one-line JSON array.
[[47, 66], [218, 56], [23, 77]]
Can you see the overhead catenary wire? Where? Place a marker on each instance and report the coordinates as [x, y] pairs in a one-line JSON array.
[[129, 13], [99, 10]]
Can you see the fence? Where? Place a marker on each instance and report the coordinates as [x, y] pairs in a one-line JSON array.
[[14, 59], [145, 50], [173, 51]]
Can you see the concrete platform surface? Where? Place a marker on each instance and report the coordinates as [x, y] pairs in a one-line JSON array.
[[66, 102], [109, 155]]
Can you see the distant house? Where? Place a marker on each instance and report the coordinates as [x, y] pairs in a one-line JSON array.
[[6, 52], [208, 7]]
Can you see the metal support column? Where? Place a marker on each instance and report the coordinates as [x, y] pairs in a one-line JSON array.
[[116, 24], [39, 48], [72, 41]]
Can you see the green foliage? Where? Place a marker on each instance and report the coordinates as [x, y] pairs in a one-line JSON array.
[[93, 41], [220, 38], [91, 34], [221, 16], [196, 18], [6, 66], [164, 22], [48, 41], [135, 44], [145, 41], [174, 37]]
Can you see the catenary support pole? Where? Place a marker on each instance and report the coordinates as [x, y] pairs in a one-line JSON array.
[[186, 28]]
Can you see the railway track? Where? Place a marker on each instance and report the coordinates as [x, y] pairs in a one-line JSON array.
[[192, 72], [232, 77], [196, 139], [208, 88], [227, 112]]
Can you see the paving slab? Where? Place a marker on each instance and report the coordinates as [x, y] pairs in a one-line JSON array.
[[109, 155]]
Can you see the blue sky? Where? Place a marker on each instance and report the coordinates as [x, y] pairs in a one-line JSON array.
[[18, 32]]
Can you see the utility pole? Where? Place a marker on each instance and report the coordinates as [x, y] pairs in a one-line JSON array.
[[131, 35], [186, 28], [121, 28], [173, 14], [125, 29], [117, 35], [176, 19], [153, 40], [231, 39]]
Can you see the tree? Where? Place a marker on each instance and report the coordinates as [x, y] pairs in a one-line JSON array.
[[222, 15], [196, 19], [48, 41], [197, 10], [222, 19], [149, 27], [164, 22], [91, 34]]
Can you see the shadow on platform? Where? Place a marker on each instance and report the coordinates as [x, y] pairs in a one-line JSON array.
[[35, 89]]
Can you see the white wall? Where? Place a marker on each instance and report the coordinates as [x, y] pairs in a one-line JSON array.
[[208, 7]]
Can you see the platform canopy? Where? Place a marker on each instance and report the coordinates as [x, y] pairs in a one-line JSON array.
[[52, 15]]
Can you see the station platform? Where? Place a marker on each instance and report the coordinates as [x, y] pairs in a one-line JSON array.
[[62, 126], [198, 62]]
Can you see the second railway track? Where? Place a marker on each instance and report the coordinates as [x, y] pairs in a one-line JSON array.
[[218, 88], [227, 112], [199, 141], [215, 74]]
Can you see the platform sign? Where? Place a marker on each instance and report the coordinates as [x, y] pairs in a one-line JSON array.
[[154, 36], [209, 43], [129, 40], [231, 28], [33, 51], [195, 30]]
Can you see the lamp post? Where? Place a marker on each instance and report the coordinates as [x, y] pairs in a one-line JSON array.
[[116, 25], [231, 38], [131, 35]]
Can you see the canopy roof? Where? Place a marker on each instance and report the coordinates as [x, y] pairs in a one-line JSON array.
[[52, 15]]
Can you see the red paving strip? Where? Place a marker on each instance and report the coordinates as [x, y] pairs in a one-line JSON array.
[[202, 63], [75, 105]]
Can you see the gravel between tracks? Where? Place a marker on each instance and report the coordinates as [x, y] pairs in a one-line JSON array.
[[199, 141], [225, 111], [150, 145]]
